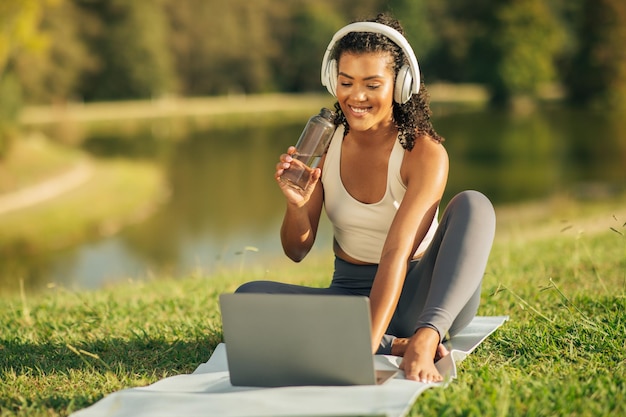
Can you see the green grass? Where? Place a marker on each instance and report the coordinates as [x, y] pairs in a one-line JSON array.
[[234, 107], [562, 352], [87, 211], [561, 278], [32, 158], [170, 117]]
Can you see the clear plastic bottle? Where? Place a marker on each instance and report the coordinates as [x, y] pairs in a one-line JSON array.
[[310, 148]]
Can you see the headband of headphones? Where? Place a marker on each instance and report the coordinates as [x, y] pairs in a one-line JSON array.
[[408, 77]]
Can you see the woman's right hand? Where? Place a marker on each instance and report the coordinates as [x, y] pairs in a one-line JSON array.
[[292, 194], [299, 228]]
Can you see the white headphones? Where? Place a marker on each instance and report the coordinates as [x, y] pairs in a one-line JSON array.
[[408, 79]]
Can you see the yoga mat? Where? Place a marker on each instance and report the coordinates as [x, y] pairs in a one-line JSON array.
[[208, 392]]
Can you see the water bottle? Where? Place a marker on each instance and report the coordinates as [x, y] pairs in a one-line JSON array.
[[310, 148]]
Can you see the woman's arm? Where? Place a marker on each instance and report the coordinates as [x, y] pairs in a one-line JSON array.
[[301, 219], [425, 170]]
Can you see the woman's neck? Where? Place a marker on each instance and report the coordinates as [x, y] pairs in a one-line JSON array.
[[375, 137]]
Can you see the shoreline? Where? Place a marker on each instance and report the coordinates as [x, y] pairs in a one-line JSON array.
[[47, 189], [180, 107]]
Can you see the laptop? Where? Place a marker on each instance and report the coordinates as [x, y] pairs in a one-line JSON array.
[[275, 340]]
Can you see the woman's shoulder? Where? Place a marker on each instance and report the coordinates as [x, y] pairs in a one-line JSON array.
[[427, 156], [426, 147]]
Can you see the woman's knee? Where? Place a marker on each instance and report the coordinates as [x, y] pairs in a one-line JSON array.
[[472, 198], [252, 287], [474, 203]]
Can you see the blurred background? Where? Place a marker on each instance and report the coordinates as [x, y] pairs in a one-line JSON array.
[[139, 138]]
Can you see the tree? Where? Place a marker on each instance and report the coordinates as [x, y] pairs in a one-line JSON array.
[[119, 49], [133, 58], [461, 50], [19, 23], [225, 47], [304, 44], [527, 39], [597, 74], [19, 30], [53, 74], [415, 17]]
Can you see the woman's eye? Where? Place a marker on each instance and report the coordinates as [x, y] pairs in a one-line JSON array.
[[373, 86]]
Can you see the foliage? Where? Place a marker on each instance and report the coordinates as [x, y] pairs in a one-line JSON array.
[[307, 37], [133, 57], [419, 29], [19, 31], [97, 50], [11, 103], [53, 74], [225, 52], [598, 70], [460, 36], [19, 24], [527, 39]]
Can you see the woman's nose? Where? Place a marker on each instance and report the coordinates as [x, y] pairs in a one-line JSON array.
[[359, 94]]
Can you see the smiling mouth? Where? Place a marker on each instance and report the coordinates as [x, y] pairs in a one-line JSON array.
[[360, 110]]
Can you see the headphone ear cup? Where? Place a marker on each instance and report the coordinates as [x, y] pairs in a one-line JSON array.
[[331, 73], [404, 83]]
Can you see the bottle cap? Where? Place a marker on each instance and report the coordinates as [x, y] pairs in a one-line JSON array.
[[327, 114]]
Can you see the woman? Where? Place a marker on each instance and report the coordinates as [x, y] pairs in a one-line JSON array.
[[381, 183]]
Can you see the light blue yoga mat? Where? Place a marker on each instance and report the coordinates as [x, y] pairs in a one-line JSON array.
[[208, 392]]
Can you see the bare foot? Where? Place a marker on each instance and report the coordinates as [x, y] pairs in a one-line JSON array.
[[399, 344], [441, 353], [418, 363]]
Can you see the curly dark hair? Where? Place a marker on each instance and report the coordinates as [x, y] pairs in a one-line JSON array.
[[411, 118]]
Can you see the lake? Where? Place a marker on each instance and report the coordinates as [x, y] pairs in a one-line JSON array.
[[225, 209]]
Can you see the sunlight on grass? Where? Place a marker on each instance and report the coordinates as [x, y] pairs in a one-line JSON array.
[[89, 210], [561, 352], [34, 157]]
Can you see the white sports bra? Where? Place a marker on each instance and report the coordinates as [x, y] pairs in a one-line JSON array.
[[360, 229]]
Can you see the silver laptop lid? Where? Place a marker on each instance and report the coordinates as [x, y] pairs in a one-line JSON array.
[[288, 339]]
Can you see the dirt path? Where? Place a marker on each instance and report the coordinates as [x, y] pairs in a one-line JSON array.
[[46, 190]]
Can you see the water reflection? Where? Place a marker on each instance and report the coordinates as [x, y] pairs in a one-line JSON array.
[[224, 198], [515, 158]]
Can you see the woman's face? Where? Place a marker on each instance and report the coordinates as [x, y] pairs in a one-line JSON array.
[[365, 86]]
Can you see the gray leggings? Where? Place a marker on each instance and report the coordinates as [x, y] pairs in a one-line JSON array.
[[441, 290]]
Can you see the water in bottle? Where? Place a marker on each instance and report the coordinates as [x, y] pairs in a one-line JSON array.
[[310, 148]]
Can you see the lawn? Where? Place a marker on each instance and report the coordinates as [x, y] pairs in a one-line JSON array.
[[111, 194], [558, 270], [32, 158]]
